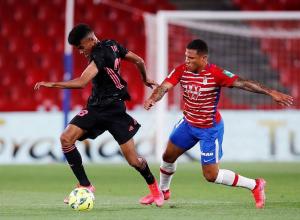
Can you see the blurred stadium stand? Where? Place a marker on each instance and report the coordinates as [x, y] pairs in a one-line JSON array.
[[33, 42], [283, 54]]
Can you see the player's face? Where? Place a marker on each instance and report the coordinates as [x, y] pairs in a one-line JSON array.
[[85, 47], [194, 61]]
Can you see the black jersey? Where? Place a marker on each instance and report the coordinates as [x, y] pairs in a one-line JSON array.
[[108, 84]]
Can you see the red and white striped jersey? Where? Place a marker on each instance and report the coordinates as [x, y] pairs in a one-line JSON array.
[[201, 92]]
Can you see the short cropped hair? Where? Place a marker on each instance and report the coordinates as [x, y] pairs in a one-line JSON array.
[[78, 32], [198, 45]]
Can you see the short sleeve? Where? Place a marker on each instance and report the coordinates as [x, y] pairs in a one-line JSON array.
[[98, 57], [223, 77], [122, 50], [174, 76]]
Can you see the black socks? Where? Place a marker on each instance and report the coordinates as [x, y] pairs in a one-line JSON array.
[[145, 171], [74, 159]]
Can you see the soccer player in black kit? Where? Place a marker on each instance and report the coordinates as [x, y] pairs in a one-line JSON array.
[[105, 109]]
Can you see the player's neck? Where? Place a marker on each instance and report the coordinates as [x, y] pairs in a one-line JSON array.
[[204, 67], [200, 69]]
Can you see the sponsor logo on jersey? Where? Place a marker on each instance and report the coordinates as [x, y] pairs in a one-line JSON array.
[[193, 91], [207, 154]]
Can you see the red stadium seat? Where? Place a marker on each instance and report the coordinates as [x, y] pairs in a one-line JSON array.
[[23, 13], [77, 101], [46, 14], [16, 44], [23, 63], [293, 46], [287, 24], [55, 30], [6, 79], [84, 3], [103, 29], [270, 45], [33, 76], [275, 6], [42, 45], [30, 29], [7, 29]]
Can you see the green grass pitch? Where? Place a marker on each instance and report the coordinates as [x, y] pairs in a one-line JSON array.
[[37, 192]]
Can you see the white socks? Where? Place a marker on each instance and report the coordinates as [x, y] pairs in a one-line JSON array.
[[229, 178], [166, 173], [225, 177]]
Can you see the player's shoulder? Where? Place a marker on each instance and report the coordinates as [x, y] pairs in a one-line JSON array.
[[211, 67], [216, 70], [101, 47], [177, 72], [180, 68], [108, 42], [98, 48]]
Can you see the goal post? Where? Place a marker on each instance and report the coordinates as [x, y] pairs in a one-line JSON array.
[[237, 34]]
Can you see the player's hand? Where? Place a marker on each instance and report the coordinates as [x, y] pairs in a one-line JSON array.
[[149, 103], [281, 98], [45, 84], [150, 83]]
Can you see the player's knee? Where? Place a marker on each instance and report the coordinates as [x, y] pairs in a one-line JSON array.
[[168, 158], [138, 164], [65, 140], [133, 162], [210, 176]]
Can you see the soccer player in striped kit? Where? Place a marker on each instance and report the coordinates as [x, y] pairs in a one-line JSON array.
[[201, 83]]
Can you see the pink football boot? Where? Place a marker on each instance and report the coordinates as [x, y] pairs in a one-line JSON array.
[[259, 193]]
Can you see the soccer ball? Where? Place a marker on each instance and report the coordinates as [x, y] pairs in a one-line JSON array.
[[81, 199]]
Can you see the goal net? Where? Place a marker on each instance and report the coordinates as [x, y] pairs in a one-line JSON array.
[[261, 46]]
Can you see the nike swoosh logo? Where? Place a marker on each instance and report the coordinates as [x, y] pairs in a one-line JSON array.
[[205, 161]]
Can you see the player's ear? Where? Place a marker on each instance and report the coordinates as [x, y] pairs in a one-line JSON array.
[[205, 56]]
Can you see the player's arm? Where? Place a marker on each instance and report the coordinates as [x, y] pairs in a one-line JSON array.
[[140, 64], [78, 83], [157, 94], [252, 86]]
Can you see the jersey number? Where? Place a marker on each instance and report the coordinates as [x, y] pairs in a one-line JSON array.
[[83, 112]]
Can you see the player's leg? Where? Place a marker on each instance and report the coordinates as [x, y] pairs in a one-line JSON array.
[[180, 141], [168, 167], [141, 165], [137, 162], [211, 153], [82, 126], [212, 173], [123, 127], [67, 139]]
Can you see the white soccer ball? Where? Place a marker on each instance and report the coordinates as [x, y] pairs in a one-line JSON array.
[[81, 199]]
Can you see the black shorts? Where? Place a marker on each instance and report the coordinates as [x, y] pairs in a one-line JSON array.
[[112, 118]]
